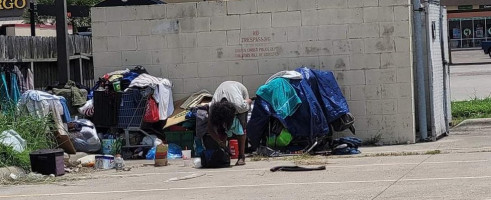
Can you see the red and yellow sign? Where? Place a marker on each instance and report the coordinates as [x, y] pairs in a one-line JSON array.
[[12, 4]]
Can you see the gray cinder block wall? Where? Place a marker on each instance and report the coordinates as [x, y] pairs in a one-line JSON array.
[[367, 43]]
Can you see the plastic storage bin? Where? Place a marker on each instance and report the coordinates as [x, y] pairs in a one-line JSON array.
[[182, 138]]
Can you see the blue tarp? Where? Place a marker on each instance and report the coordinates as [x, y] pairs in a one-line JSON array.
[[322, 103]]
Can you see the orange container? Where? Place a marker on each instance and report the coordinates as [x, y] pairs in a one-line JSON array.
[[234, 148]]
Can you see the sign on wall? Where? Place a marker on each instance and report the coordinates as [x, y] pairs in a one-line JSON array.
[[12, 4], [465, 7]]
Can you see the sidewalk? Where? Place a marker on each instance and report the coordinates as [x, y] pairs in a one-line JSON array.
[[469, 136]]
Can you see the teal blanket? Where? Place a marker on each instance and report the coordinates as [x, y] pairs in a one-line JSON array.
[[281, 96]]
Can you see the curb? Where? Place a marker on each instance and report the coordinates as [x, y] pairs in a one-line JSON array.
[[472, 123], [6, 171]]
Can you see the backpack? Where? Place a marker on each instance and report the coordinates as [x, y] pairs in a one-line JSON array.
[[215, 158]]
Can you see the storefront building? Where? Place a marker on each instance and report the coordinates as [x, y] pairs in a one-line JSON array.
[[469, 25]]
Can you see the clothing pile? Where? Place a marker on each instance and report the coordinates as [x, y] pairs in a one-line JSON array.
[[307, 102], [41, 104], [111, 88], [346, 146]]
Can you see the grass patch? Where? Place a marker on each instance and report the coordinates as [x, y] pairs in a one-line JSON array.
[[434, 152], [33, 129], [472, 109]]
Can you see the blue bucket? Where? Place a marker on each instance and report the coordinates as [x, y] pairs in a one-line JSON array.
[[107, 146]]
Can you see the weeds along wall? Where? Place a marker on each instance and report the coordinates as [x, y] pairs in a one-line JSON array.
[[367, 43]]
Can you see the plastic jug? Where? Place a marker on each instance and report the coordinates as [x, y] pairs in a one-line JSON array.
[[234, 149]]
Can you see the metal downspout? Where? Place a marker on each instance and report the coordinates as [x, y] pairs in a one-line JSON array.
[[429, 61], [445, 71], [420, 73]]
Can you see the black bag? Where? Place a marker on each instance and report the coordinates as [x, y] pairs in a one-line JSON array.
[[344, 122], [215, 158]]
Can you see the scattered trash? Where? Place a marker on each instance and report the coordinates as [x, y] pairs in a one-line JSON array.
[[87, 161], [104, 162], [13, 176], [174, 151], [161, 155], [197, 163], [186, 177], [297, 168], [151, 153], [13, 139], [118, 162]]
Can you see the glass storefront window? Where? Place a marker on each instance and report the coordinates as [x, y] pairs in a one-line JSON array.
[[469, 32], [479, 26], [488, 29], [455, 32], [467, 28]]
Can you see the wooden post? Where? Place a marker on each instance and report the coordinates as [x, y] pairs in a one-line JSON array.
[[80, 70], [32, 17], [61, 42]]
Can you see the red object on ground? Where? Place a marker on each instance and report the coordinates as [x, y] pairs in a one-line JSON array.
[[234, 149]]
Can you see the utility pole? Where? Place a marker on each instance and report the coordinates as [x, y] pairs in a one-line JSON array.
[[63, 60]]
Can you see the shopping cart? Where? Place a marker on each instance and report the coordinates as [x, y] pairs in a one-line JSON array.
[[131, 112]]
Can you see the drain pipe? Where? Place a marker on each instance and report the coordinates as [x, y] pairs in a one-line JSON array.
[[420, 73]]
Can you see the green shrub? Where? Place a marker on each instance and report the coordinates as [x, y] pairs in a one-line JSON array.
[[35, 130]]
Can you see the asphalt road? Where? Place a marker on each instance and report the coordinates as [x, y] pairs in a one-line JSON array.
[[470, 81], [441, 176]]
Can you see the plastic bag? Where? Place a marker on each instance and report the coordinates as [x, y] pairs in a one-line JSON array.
[[13, 139], [151, 154], [85, 140], [151, 140], [87, 109], [175, 151], [152, 111]]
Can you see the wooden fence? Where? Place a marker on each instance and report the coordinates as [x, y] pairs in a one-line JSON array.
[[18, 48], [39, 53]]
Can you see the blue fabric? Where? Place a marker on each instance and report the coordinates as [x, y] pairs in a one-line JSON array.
[[281, 95], [66, 112], [346, 151], [130, 76], [4, 91], [235, 129], [14, 88], [322, 103], [352, 148], [326, 89]]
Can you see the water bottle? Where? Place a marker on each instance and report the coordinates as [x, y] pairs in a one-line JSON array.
[[118, 162]]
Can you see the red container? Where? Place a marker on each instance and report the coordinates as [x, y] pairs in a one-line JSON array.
[[234, 148]]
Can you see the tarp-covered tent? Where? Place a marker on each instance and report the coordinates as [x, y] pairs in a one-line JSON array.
[[322, 104]]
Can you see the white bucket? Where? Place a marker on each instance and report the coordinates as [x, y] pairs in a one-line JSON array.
[[186, 154]]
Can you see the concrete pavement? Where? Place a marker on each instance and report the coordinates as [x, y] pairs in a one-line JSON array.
[[461, 171], [470, 81], [470, 76]]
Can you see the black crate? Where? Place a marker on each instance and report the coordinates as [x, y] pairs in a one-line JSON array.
[[106, 107], [48, 161]]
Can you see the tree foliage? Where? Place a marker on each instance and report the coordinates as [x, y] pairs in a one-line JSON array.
[[74, 21]]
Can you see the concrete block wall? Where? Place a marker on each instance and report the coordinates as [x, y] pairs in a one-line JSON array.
[[366, 43]]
